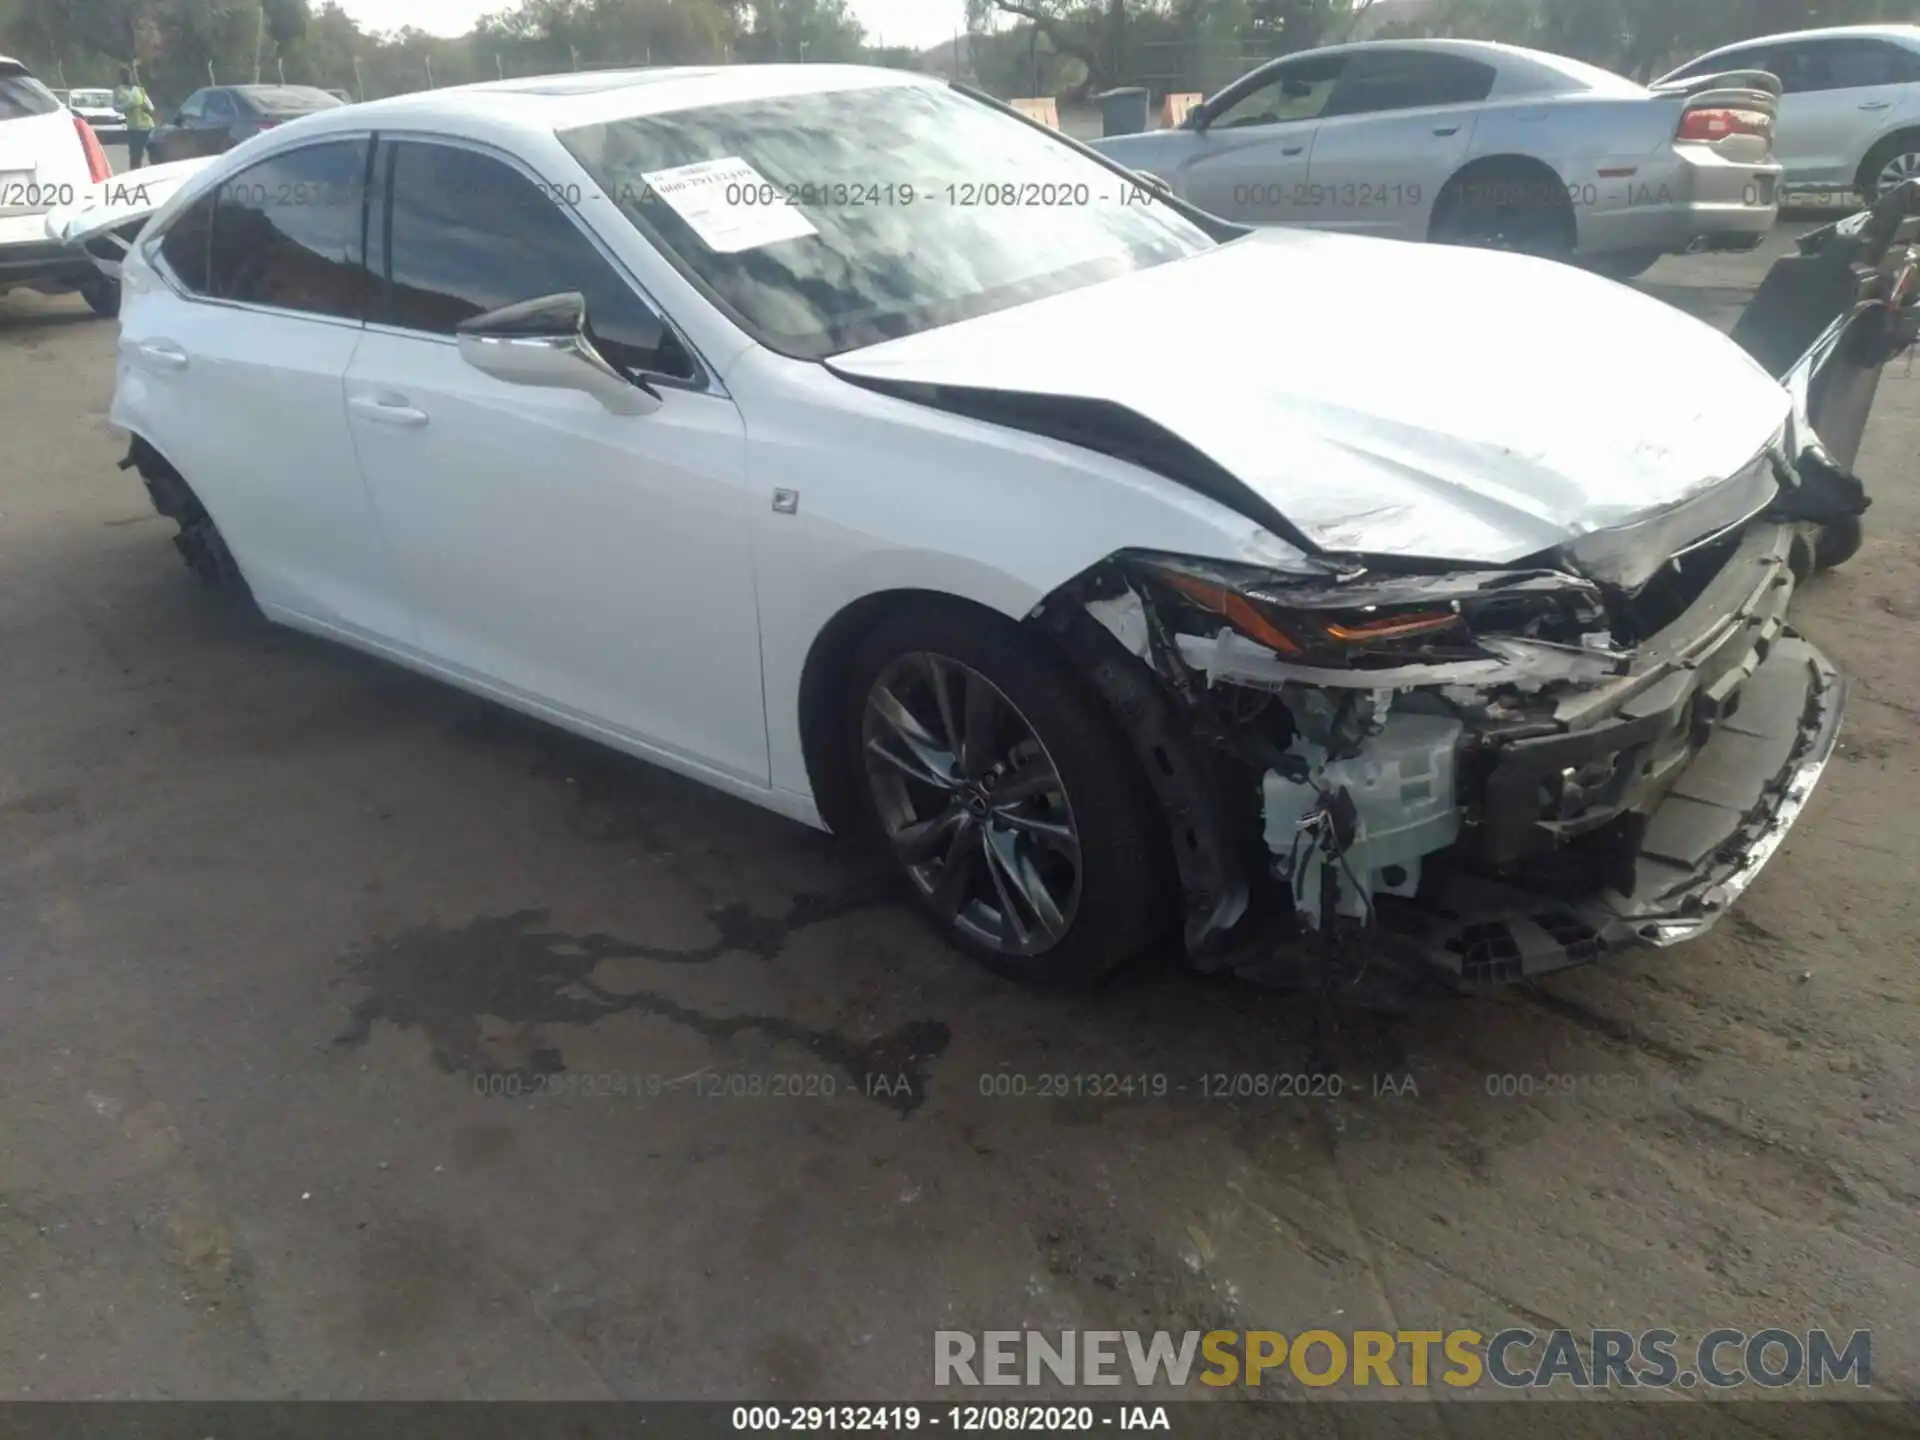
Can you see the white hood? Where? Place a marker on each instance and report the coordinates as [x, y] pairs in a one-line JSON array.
[[1395, 399]]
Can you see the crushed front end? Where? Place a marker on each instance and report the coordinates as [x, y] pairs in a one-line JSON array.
[[1416, 772]]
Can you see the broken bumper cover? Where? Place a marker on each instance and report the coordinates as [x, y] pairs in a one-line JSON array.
[[1702, 845]]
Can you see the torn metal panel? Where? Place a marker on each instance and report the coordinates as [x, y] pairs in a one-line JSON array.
[[1699, 849], [1183, 777]]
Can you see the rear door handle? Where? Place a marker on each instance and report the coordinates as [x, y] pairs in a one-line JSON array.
[[1876, 105], [1294, 150], [162, 354], [388, 410], [1448, 130]]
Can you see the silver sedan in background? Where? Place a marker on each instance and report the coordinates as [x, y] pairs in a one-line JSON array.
[[1476, 143]]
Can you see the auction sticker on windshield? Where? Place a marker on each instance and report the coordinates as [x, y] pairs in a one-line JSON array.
[[724, 201]]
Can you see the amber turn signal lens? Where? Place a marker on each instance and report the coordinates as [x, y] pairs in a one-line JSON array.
[[1391, 627], [1234, 608]]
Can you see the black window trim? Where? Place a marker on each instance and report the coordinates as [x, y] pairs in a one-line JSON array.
[[150, 243], [704, 381]]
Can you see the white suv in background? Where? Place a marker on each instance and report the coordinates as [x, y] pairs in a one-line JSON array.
[[1849, 108], [48, 156]]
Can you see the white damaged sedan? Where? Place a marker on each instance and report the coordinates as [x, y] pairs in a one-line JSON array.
[[844, 441]]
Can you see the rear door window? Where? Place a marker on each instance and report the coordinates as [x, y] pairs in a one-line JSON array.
[[288, 232], [1383, 80]]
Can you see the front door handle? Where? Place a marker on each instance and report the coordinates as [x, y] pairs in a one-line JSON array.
[[388, 410], [1448, 130], [1876, 105], [1294, 150], [162, 354]]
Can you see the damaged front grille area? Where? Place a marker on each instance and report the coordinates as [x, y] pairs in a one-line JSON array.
[[1419, 743]]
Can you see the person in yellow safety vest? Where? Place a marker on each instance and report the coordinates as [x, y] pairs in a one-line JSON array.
[[130, 99]]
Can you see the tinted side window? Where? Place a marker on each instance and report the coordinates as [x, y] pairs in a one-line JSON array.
[[21, 95], [1407, 79], [193, 107], [1854, 64], [1754, 57], [287, 232], [185, 245], [1299, 92], [469, 233], [220, 106]]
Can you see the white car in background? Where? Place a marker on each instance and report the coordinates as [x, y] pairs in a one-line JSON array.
[[49, 157], [96, 107], [1469, 142], [1849, 106], [800, 429]]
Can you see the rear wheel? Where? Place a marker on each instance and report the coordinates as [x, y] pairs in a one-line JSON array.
[[103, 295], [1012, 808], [1517, 208], [1624, 264], [199, 542]]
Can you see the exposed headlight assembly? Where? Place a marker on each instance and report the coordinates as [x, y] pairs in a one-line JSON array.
[[1372, 622]]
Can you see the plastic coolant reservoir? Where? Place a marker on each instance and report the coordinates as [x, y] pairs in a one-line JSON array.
[[1402, 784]]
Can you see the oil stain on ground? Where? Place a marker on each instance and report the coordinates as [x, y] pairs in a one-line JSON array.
[[442, 980]]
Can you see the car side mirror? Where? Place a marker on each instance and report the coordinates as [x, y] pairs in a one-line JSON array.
[[544, 342]]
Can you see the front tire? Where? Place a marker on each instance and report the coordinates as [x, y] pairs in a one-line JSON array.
[[1838, 542], [1006, 797]]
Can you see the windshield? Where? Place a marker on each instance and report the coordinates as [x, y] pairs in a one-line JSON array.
[[288, 99], [92, 99], [826, 222], [21, 95]]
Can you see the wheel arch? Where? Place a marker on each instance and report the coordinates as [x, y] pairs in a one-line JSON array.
[[823, 682], [1863, 173], [1503, 163]]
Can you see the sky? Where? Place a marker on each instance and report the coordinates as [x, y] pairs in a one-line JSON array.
[[896, 22]]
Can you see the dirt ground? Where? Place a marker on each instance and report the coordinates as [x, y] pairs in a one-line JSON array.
[[271, 915]]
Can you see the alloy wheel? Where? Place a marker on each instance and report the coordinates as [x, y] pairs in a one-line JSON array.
[[972, 804], [1897, 171]]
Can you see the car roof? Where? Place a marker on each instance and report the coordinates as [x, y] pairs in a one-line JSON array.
[[587, 97], [1509, 60], [1907, 33]]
